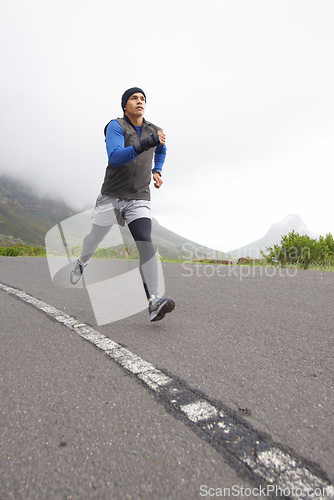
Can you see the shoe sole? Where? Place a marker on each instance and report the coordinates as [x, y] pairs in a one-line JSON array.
[[167, 307], [74, 276], [75, 282]]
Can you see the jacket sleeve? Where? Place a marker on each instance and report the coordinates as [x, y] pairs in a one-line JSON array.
[[117, 153], [159, 158]]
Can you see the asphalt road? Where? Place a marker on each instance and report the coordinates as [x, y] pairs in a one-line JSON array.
[[73, 424]]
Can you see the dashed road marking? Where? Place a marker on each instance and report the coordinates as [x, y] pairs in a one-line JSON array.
[[248, 450], [200, 410]]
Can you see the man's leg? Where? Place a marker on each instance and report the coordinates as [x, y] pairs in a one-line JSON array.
[[92, 241], [105, 215], [90, 244], [141, 232]]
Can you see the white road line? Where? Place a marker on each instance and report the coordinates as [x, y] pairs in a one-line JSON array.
[[267, 461], [198, 411], [153, 378]]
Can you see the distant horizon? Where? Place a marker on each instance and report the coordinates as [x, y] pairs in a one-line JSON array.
[[247, 112], [195, 238]]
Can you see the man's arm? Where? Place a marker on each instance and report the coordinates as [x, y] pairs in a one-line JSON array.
[[159, 160], [160, 153], [117, 153], [157, 179]]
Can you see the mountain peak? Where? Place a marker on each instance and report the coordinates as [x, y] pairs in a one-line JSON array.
[[293, 218], [291, 222]]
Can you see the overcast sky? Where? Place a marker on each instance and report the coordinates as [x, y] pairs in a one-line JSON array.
[[243, 90]]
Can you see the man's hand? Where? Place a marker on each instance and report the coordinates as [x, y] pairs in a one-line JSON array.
[[157, 180], [162, 136]]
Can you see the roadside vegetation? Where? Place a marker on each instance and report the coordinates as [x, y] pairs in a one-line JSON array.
[[294, 251], [121, 252], [301, 251], [22, 250]]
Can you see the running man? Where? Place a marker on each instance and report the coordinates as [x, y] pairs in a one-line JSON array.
[[131, 143]]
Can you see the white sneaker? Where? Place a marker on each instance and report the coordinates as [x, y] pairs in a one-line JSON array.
[[158, 307], [77, 272]]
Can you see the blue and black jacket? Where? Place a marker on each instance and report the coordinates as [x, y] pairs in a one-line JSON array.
[[128, 174]]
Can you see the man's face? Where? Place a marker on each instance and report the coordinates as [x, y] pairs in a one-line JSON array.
[[136, 105]]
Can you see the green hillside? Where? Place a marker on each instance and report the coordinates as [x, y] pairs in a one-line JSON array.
[[29, 226], [25, 216]]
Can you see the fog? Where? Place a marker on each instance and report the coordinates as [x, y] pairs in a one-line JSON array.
[[242, 89]]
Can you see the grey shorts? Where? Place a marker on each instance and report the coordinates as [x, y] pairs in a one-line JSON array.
[[109, 211]]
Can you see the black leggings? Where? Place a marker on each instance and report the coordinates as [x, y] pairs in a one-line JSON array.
[[140, 230]]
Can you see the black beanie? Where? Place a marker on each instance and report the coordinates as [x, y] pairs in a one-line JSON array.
[[128, 93]]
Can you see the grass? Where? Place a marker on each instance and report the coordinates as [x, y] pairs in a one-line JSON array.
[[130, 253], [262, 263], [21, 249]]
